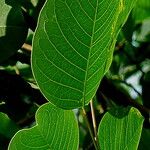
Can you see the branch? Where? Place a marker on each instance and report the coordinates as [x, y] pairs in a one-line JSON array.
[[93, 120], [89, 128], [109, 89], [128, 84]]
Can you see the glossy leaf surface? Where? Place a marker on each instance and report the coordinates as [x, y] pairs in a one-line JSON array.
[[56, 129], [120, 130], [73, 46]]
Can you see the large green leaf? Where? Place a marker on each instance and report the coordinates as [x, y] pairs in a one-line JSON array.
[[13, 29], [73, 46], [56, 129], [120, 130]]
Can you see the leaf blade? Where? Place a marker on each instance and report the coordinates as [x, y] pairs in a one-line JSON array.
[[74, 40], [7, 127], [119, 130], [56, 129]]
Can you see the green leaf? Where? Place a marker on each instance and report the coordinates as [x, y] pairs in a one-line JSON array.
[[141, 11], [13, 29], [73, 46], [7, 127], [142, 35], [56, 129], [145, 138], [120, 130]]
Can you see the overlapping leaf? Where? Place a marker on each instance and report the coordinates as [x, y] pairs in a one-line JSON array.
[[13, 29], [56, 129], [120, 130], [73, 47]]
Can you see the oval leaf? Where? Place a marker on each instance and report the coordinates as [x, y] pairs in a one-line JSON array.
[[73, 46], [13, 29], [119, 130], [56, 129]]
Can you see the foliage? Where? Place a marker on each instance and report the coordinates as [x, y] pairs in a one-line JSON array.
[[50, 128], [77, 51], [74, 74], [124, 134]]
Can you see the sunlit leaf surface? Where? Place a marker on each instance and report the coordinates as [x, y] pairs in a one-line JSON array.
[[120, 130], [73, 46], [55, 129]]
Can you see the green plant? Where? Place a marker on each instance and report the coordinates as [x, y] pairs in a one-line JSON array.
[[84, 54]]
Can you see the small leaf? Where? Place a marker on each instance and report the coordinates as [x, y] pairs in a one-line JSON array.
[[13, 29], [141, 11], [145, 138], [56, 129], [120, 130], [7, 127], [73, 46]]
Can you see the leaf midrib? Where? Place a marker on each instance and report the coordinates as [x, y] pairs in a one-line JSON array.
[[91, 43]]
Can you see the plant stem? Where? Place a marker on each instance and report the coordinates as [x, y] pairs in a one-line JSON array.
[[93, 119], [27, 47], [89, 128]]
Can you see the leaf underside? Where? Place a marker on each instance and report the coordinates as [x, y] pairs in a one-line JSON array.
[[56, 129], [73, 46]]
